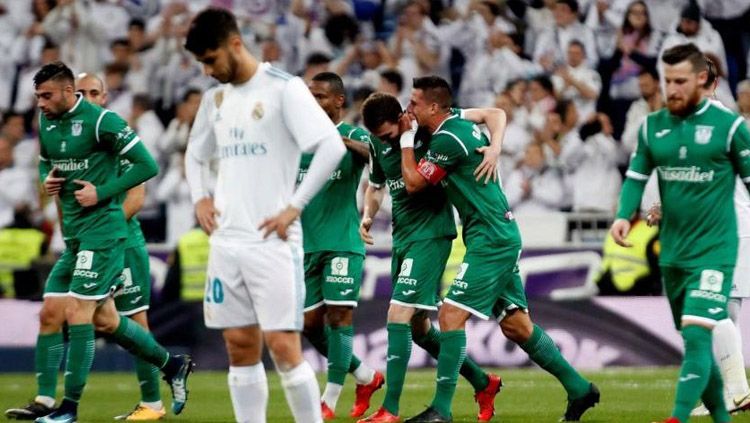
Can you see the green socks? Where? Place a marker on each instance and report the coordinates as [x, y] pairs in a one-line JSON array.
[[543, 351], [134, 338], [696, 374], [49, 354], [80, 358], [340, 342], [319, 341], [397, 360], [712, 396], [148, 379], [430, 342], [452, 355]]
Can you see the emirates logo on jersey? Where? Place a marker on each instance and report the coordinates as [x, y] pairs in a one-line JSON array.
[[258, 111]]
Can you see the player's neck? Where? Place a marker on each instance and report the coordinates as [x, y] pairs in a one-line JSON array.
[[246, 68], [433, 125]]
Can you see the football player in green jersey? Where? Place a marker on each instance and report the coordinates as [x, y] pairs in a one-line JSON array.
[[80, 148], [423, 226], [488, 282], [335, 255], [697, 148]]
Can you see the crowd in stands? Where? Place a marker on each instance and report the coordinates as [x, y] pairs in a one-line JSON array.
[[575, 78]]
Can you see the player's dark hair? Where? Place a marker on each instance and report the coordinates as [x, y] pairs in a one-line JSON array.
[[649, 70], [55, 71], [545, 82], [335, 84], [576, 42], [124, 42], [713, 73], [394, 77], [562, 108], [138, 23], [189, 92], [685, 52], [380, 108], [143, 101], [49, 44], [317, 58], [572, 4], [435, 89], [209, 30], [361, 93]]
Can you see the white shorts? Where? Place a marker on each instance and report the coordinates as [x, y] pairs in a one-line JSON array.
[[256, 284], [741, 279]]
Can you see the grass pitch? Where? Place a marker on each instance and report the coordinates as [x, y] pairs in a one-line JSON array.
[[628, 395]]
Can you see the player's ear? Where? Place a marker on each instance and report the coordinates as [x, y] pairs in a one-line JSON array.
[[235, 43], [703, 77]]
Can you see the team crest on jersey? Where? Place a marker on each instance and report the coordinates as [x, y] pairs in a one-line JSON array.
[[703, 134], [258, 111], [76, 128]]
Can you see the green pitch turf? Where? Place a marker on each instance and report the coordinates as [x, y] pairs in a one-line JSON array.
[[628, 395]]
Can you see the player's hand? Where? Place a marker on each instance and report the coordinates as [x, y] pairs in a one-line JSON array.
[[206, 214], [53, 183], [86, 196], [280, 222], [488, 168], [653, 217], [620, 230], [364, 231]]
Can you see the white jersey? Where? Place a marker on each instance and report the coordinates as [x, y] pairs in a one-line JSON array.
[[257, 130]]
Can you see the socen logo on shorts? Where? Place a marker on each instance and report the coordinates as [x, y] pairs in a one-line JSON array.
[[340, 266], [85, 260], [85, 274]]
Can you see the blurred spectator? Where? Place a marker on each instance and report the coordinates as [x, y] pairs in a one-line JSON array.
[[120, 98], [353, 114], [535, 186], [578, 82], [175, 192], [722, 93], [517, 91], [730, 18], [651, 100], [541, 101], [592, 159], [552, 44], [315, 64], [559, 132], [539, 19], [363, 64], [631, 270], [391, 82], [692, 28], [664, 13], [743, 99], [516, 137], [416, 43], [175, 138], [146, 124], [18, 198], [25, 98]]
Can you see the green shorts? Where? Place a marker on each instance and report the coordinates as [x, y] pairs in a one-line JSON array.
[[416, 269], [89, 270], [332, 278], [488, 283], [135, 294], [699, 294]]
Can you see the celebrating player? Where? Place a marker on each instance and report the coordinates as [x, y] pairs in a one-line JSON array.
[[334, 256], [697, 149], [423, 227], [487, 282], [257, 122], [80, 149]]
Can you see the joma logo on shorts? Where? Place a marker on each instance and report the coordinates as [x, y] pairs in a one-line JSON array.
[[85, 274]]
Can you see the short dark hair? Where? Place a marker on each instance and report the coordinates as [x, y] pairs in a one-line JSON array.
[[189, 92], [435, 89], [562, 108], [138, 23], [334, 82], [577, 42], [143, 101], [572, 4], [380, 108], [545, 82], [685, 52], [713, 73], [210, 29], [361, 93], [55, 71], [649, 70], [124, 42], [394, 77], [317, 58], [120, 68]]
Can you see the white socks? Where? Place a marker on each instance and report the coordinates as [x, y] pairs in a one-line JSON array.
[[45, 400], [156, 405], [728, 352], [249, 392], [331, 395], [302, 393], [363, 374]]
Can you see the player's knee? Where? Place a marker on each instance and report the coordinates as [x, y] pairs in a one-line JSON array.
[[452, 318], [420, 324], [105, 323], [516, 330], [339, 316], [51, 319], [285, 350]]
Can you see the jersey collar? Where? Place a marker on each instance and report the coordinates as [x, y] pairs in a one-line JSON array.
[[73, 110], [443, 123]]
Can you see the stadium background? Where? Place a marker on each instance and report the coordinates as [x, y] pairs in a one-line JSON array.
[[574, 77]]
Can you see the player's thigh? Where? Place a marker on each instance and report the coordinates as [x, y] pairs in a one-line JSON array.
[[274, 275], [482, 278], [418, 270], [98, 267], [135, 293], [512, 296], [342, 278], [706, 294], [741, 278], [314, 263], [58, 281], [226, 302]]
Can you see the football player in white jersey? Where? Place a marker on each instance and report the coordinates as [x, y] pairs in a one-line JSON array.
[[727, 343], [256, 123]]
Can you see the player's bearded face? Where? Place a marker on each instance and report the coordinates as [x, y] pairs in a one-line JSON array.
[[51, 98], [683, 87]]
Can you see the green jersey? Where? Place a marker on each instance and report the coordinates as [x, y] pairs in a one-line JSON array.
[[416, 217], [330, 222], [483, 208], [86, 143], [135, 235], [696, 158]]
